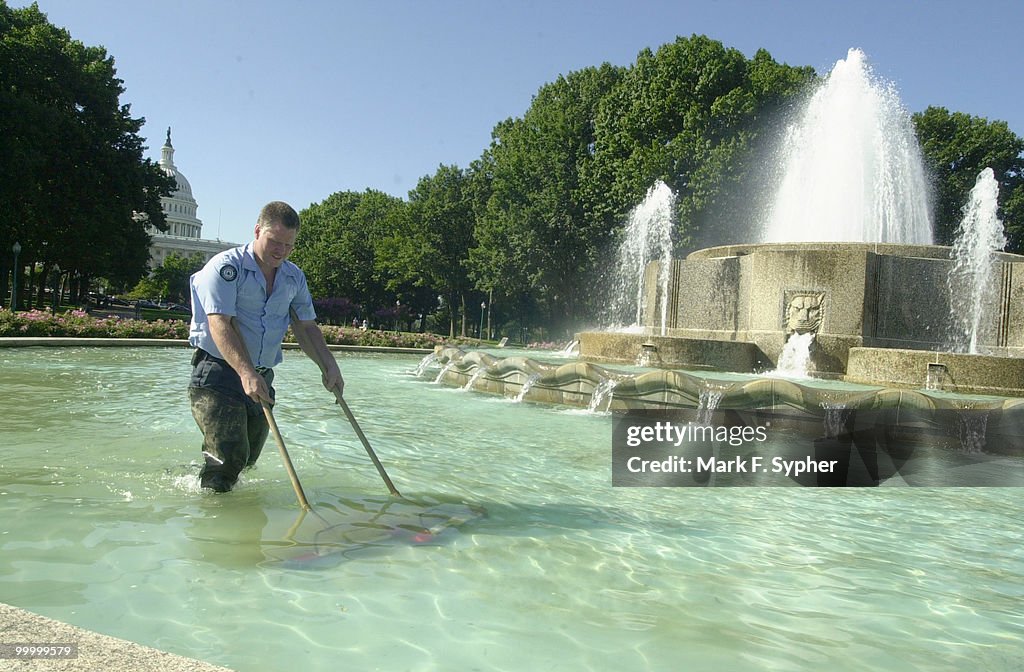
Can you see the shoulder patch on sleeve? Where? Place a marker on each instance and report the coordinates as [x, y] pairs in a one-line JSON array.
[[228, 272]]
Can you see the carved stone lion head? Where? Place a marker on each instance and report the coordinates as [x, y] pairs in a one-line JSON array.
[[803, 311]]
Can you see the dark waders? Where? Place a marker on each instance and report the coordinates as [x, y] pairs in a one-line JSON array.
[[234, 427]]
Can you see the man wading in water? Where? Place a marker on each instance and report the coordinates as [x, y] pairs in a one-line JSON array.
[[243, 301]]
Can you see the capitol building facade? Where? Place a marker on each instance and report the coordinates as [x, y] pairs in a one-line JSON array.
[[184, 233]]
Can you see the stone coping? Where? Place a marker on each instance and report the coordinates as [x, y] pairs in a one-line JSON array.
[[72, 341], [95, 652], [895, 249]]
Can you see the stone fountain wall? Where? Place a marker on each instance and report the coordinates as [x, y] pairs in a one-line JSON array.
[[734, 307], [784, 403]]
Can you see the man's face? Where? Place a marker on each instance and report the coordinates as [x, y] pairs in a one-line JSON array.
[[273, 245]]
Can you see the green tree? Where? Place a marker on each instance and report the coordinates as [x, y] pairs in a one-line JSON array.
[[71, 166], [337, 246], [430, 246], [957, 147], [536, 243], [171, 280], [692, 115]]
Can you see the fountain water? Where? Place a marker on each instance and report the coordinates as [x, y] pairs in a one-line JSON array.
[[604, 578], [795, 360], [525, 389], [846, 264], [834, 420], [424, 364], [444, 369], [571, 348], [971, 281], [648, 236], [473, 378], [707, 404], [851, 167], [604, 390]]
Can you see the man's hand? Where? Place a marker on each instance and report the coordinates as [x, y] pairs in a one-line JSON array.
[[333, 380], [254, 385]]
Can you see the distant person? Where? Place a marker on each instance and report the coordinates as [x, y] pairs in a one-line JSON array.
[[243, 301]]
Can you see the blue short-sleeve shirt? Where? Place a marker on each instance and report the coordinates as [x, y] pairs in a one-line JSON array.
[[232, 284]]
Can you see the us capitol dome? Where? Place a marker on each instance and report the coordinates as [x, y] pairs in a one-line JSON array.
[[184, 228]]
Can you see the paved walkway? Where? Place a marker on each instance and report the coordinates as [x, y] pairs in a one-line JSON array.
[[94, 652]]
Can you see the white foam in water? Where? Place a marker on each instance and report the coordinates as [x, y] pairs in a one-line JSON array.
[[186, 483], [795, 359]]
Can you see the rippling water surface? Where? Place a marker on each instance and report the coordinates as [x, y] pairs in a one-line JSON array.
[[510, 551]]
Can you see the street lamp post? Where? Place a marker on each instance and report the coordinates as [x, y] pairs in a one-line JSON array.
[[16, 248], [55, 281], [490, 309], [483, 307]]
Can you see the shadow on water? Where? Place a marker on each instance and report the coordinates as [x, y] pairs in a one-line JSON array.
[[347, 528]]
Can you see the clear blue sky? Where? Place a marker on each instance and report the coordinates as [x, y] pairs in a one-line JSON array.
[[295, 100]]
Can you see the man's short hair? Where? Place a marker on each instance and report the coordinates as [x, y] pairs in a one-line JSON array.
[[278, 212]]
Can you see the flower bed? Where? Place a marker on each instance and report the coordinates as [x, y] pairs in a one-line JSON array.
[[79, 323], [387, 339]]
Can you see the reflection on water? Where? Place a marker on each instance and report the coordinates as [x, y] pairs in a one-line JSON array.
[[512, 551]]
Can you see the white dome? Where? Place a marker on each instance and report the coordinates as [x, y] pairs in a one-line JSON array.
[[180, 207], [184, 189]]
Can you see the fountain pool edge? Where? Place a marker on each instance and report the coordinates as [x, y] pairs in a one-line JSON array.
[[96, 651], [72, 341]]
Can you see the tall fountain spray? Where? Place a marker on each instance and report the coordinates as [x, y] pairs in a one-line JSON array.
[[648, 237], [850, 167], [971, 281]]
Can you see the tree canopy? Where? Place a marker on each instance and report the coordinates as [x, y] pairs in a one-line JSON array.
[[75, 191], [537, 243], [957, 148], [170, 280], [337, 246], [425, 254]]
